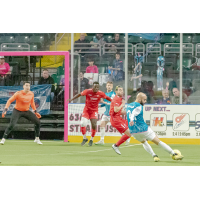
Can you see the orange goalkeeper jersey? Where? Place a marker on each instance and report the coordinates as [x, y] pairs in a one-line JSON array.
[[23, 101]]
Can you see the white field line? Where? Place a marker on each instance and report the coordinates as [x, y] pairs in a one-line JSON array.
[[67, 153]]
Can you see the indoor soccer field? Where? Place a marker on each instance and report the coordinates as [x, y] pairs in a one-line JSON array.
[[58, 153]]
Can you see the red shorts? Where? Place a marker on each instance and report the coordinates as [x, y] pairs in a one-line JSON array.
[[120, 124], [90, 114]]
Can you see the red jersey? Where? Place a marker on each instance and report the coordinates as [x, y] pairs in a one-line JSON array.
[[117, 101], [93, 98]]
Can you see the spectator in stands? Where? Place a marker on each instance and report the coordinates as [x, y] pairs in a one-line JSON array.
[[4, 71], [47, 79], [116, 70], [175, 99], [91, 68], [81, 40], [116, 39], [165, 99], [4, 67], [150, 90], [99, 39], [84, 83], [144, 89], [170, 86]]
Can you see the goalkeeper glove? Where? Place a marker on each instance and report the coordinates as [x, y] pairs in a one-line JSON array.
[[4, 112], [37, 114]]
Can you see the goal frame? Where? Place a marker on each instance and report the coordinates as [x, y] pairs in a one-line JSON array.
[[50, 53]]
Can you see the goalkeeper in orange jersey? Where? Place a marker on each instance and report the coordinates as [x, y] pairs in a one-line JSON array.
[[24, 99]]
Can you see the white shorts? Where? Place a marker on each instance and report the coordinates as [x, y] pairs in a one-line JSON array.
[[105, 118], [149, 135]]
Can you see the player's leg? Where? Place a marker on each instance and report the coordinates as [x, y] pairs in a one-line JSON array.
[[32, 117], [94, 128], [13, 121], [154, 138], [104, 121], [148, 148], [124, 137], [83, 129]]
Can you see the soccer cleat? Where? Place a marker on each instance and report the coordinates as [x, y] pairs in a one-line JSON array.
[[116, 149], [38, 142], [177, 157], [35, 140], [156, 159], [128, 142], [90, 143], [2, 141], [84, 141], [100, 142]]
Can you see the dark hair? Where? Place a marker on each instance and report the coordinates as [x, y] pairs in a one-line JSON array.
[[96, 83], [109, 82], [117, 87], [91, 59], [26, 82], [117, 53]]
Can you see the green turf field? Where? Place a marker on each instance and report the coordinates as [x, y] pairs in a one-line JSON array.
[[58, 153]]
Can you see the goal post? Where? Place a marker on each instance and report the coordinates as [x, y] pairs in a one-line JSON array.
[[66, 75]]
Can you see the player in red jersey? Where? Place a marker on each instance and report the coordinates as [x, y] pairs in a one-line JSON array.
[[90, 111], [116, 120]]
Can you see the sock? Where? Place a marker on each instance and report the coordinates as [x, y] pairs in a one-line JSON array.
[[166, 147], [122, 140], [37, 138], [148, 148], [92, 138], [93, 132], [83, 130], [102, 129]]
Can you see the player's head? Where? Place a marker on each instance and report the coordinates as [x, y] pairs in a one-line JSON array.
[[141, 98], [45, 73], [26, 86], [160, 61], [95, 87], [109, 86], [119, 90], [117, 56], [2, 59], [165, 93], [91, 61], [176, 92]]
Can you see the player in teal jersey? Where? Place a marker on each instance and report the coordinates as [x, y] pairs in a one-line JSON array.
[[106, 117], [140, 130]]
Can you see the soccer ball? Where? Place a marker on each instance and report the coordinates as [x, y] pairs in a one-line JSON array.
[[176, 151]]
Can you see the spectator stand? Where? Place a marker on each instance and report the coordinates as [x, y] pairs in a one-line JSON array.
[[152, 48], [88, 48], [108, 48]]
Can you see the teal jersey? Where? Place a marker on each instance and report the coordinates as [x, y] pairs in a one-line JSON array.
[[111, 95], [134, 113]]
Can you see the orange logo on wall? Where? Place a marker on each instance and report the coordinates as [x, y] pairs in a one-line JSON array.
[[157, 121], [179, 118]]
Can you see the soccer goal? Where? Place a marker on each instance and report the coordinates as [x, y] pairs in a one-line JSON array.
[[50, 94]]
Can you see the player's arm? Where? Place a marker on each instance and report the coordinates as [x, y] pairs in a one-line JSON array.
[[118, 108], [84, 93], [34, 108], [10, 100]]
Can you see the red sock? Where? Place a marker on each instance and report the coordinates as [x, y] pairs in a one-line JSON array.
[[93, 133], [83, 130], [122, 139]]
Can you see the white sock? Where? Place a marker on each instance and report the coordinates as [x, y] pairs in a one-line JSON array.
[[37, 138], [92, 138], [166, 147], [102, 130], [84, 136], [148, 148]]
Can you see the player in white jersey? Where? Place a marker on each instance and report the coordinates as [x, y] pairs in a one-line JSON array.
[[140, 130]]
